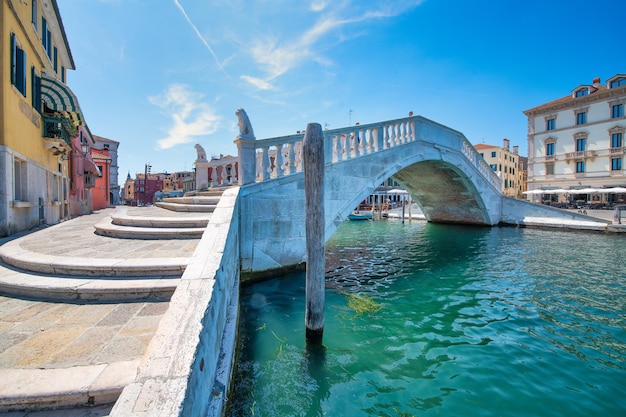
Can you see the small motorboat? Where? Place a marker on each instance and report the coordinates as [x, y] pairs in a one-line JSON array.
[[355, 215]]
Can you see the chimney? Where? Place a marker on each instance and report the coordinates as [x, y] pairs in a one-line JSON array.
[[506, 143], [596, 82], [515, 149]]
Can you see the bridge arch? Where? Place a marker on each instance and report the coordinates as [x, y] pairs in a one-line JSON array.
[[437, 165]]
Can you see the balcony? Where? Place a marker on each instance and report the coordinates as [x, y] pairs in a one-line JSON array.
[[57, 135], [617, 151]]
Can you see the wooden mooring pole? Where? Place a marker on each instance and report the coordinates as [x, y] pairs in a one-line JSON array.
[[314, 202]]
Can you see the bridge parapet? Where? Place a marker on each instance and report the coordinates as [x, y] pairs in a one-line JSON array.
[[281, 156]]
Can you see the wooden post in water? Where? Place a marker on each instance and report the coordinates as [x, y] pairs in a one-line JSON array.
[[314, 202]]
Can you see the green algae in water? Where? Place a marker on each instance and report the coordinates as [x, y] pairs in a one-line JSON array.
[[362, 304]]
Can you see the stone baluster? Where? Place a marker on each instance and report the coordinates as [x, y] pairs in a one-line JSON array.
[[387, 140], [213, 176], [278, 168], [336, 149], [265, 164], [291, 160]]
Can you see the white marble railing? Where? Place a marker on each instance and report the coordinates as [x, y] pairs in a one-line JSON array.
[[281, 156]]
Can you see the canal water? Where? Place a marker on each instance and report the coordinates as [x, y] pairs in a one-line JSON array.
[[442, 320]]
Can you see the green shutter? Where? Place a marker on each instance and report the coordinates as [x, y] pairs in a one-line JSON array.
[[13, 59]]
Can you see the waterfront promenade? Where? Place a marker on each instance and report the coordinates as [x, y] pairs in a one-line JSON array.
[[64, 350], [72, 349]]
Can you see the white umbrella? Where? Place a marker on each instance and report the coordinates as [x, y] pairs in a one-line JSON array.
[[616, 190], [585, 191], [533, 192], [396, 191]]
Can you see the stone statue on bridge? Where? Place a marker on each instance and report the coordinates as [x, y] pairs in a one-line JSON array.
[[200, 152], [245, 128]]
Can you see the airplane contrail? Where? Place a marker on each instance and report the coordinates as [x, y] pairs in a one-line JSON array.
[[219, 64]]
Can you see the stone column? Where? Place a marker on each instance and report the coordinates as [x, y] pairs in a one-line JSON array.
[[202, 175]]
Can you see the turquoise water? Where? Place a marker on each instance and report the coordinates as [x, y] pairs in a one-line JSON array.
[[466, 322]]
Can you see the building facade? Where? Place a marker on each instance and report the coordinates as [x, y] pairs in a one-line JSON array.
[[39, 116], [101, 192], [111, 146], [506, 164], [577, 142]]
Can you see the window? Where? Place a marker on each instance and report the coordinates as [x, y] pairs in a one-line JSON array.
[[617, 111], [46, 37], [616, 164], [580, 166], [493, 154], [581, 144], [35, 90], [582, 92], [581, 118], [618, 83], [549, 149], [550, 124], [55, 61], [19, 177], [34, 14], [494, 167], [549, 169], [616, 140], [18, 66]]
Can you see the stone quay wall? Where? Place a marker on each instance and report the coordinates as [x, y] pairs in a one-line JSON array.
[[187, 366]]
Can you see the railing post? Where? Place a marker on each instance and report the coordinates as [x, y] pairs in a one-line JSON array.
[[247, 160]]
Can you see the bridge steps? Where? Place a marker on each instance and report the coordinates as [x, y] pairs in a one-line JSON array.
[[147, 229]]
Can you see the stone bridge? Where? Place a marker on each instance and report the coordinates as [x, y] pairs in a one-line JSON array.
[[437, 165]]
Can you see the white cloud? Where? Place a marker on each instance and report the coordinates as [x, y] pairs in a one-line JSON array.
[[190, 116], [318, 5], [257, 82], [278, 57]]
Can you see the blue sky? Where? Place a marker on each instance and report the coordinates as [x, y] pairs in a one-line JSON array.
[[160, 76]]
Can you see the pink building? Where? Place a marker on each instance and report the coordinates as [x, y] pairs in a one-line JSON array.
[[83, 172]]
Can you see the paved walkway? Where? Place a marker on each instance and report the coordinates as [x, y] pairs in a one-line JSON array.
[[65, 353]]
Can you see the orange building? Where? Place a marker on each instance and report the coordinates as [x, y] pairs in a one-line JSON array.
[[102, 189]]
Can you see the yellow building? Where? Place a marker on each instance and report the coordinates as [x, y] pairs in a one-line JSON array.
[[508, 165], [39, 115]]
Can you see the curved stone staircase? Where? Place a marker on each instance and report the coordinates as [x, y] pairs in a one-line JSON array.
[[141, 253]]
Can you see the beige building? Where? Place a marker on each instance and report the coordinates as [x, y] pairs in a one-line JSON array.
[[577, 142], [506, 164]]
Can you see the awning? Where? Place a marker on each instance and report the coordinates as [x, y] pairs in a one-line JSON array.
[[59, 97], [90, 167]]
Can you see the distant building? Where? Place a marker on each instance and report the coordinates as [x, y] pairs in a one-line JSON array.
[[39, 118], [577, 141], [101, 192], [111, 146], [506, 165]]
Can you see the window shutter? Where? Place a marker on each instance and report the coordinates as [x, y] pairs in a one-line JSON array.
[[20, 73], [13, 59], [36, 93]]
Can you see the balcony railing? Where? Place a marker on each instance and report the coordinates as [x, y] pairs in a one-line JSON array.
[[580, 155], [617, 151]]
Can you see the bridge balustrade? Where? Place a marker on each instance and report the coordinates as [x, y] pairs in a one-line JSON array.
[[281, 156]]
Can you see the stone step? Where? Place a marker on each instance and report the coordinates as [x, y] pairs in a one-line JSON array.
[[198, 208], [12, 254], [108, 229], [161, 222], [101, 289], [202, 200], [210, 192]]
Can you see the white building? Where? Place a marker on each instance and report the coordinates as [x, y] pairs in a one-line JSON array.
[[577, 142]]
